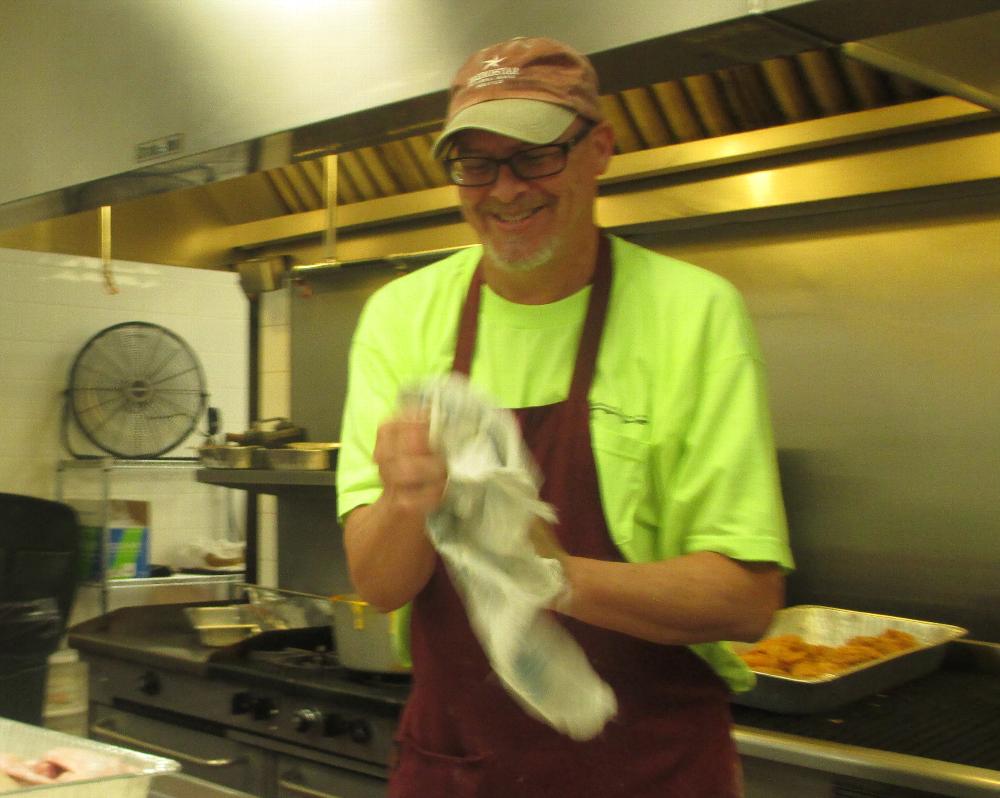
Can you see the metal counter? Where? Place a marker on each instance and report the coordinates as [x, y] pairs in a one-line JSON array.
[[939, 734]]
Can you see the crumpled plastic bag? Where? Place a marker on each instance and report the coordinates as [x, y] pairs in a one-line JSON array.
[[215, 554], [481, 532]]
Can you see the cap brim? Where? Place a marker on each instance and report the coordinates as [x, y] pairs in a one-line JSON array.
[[533, 121]]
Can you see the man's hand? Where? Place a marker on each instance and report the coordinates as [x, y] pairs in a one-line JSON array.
[[545, 544], [389, 554], [414, 477]]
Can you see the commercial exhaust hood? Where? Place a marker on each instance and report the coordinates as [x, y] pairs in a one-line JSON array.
[[960, 57], [951, 47]]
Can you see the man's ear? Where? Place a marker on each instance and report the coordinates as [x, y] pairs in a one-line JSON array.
[[603, 136]]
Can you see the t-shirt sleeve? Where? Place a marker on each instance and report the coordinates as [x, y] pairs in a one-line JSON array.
[[727, 495], [371, 396]]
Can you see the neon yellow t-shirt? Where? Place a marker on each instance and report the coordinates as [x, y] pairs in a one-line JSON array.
[[679, 418]]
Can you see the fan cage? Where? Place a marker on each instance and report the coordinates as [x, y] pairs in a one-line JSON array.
[[136, 390]]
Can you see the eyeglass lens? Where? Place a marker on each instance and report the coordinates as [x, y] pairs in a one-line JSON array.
[[528, 164]]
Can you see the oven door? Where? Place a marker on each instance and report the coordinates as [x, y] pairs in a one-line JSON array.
[[207, 756], [302, 778]]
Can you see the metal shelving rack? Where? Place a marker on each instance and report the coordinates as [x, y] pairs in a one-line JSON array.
[[267, 480], [105, 467]]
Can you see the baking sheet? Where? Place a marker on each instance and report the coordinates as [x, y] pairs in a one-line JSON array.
[[832, 626], [32, 742]]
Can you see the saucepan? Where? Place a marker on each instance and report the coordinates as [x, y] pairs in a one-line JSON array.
[[365, 637]]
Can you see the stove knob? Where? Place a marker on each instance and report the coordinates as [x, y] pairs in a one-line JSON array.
[[333, 725], [359, 730], [305, 719], [263, 709], [242, 703], [149, 683]]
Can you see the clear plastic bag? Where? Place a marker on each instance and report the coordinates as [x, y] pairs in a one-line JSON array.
[[482, 534]]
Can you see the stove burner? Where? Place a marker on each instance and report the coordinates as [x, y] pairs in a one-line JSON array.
[[375, 678], [298, 659]]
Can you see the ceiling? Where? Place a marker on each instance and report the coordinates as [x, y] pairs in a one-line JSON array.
[[704, 85]]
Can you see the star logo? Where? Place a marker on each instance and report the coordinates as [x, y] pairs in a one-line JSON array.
[[493, 63]]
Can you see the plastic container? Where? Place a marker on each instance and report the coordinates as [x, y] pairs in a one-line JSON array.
[[124, 526], [68, 722], [32, 742], [66, 686]]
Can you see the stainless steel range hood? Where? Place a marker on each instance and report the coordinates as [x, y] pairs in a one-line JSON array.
[[960, 57], [637, 43]]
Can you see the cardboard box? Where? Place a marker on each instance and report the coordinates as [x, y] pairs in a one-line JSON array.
[[127, 539]]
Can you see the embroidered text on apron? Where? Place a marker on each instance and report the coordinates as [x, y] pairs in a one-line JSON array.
[[462, 735]]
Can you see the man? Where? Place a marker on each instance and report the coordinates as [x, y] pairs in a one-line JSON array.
[[637, 384]]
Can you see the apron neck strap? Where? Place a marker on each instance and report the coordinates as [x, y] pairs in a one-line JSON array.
[[467, 326], [593, 325], [590, 340]]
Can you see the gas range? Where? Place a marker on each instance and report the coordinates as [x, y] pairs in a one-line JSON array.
[[273, 711], [301, 694]]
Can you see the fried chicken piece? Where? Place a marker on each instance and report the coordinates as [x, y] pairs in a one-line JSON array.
[[900, 639], [759, 659], [790, 655], [812, 669], [854, 654]]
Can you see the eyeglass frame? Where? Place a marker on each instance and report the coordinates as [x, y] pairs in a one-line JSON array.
[[564, 146]]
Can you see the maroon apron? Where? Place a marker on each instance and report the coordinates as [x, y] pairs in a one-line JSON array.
[[462, 735]]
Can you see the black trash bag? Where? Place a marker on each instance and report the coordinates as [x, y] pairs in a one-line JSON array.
[[39, 550], [30, 632]]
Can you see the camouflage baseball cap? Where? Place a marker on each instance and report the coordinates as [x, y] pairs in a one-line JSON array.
[[529, 89]]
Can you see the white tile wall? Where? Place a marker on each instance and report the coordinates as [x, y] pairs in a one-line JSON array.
[[50, 306], [275, 401]]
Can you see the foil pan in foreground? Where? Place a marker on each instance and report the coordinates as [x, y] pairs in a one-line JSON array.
[[831, 626], [32, 742]]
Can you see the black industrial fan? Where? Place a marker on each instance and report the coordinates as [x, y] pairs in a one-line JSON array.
[[136, 390]]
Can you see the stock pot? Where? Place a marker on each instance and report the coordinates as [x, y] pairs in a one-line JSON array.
[[366, 638]]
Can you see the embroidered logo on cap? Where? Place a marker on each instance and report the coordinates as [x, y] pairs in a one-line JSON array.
[[492, 73]]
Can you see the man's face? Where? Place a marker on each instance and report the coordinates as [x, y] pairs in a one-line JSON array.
[[524, 224]]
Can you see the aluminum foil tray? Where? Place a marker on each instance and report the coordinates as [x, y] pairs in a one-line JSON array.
[[223, 626], [32, 742], [831, 626], [288, 609]]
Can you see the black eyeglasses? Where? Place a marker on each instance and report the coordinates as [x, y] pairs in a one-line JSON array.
[[544, 161]]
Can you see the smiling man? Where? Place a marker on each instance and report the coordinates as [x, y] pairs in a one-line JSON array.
[[638, 386]]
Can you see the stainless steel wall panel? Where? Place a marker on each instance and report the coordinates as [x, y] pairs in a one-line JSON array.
[[880, 331]]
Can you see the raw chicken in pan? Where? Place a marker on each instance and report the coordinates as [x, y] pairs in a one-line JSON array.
[[56, 766]]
